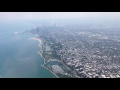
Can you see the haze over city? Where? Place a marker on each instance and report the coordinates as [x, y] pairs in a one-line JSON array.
[[6, 16]]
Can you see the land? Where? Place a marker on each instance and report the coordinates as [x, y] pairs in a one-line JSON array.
[[85, 50]]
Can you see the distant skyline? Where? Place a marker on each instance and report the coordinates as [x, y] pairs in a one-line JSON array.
[[8, 16]]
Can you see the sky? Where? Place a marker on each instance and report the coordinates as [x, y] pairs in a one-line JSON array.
[[11, 16]]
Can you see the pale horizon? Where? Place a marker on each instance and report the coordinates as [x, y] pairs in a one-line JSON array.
[[11, 16]]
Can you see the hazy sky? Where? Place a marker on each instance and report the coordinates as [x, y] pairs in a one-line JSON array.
[[47, 15]]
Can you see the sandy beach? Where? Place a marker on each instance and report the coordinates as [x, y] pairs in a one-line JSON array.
[[40, 41]]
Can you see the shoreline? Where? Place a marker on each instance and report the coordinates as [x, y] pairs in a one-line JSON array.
[[42, 57], [40, 53]]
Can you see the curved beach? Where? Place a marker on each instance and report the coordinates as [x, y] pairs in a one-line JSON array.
[[40, 53]]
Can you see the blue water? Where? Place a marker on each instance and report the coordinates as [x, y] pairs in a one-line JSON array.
[[18, 54]]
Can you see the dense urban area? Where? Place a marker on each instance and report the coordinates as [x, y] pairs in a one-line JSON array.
[[85, 49]]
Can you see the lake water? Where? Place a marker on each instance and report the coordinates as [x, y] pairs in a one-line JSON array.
[[18, 54]]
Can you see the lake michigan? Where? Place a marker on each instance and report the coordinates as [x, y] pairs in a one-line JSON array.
[[18, 54]]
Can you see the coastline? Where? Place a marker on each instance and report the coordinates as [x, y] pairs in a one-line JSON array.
[[42, 57], [40, 53]]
